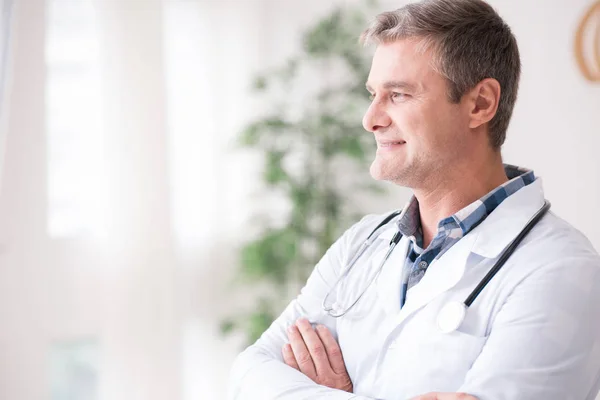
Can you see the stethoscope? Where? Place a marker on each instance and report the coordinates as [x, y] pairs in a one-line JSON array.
[[453, 313]]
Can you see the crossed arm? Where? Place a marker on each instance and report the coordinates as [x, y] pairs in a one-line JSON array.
[[317, 368], [316, 354], [534, 351]]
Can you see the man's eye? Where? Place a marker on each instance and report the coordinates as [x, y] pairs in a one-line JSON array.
[[371, 97], [399, 96]]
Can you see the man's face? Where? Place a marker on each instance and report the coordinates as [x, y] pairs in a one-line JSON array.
[[419, 133]]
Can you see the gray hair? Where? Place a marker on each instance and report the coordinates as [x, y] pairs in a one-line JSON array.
[[471, 42]]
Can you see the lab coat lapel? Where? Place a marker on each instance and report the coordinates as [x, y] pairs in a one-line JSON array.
[[442, 275], [389, 280], [503, 225], [487, 240]]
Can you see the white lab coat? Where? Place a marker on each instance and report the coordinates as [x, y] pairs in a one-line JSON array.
[[533, 333]]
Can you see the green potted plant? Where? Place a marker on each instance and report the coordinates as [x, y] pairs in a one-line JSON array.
[[316, 157]]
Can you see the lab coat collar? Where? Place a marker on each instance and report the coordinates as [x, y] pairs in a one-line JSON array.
[[494, 234], [500, 228], [488, 239]]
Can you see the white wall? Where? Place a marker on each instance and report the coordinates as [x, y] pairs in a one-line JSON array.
[[154, 299], [556, 126]]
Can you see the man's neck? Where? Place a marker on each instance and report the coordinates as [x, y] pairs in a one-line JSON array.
[[454, 191]]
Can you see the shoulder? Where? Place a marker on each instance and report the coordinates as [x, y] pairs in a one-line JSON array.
[[557, 256], [555, 238]]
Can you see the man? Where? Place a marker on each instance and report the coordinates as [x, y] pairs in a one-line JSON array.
[[443, 84]]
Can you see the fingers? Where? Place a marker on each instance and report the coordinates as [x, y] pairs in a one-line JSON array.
[[332, 348], [288, 356], [315, 346], [455, 396], [445, 396], [428, 396], [301, 353]]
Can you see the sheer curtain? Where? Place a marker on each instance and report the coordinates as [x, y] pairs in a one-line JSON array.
[[6, 7], [6, 11], [86, 70], [123, 192]]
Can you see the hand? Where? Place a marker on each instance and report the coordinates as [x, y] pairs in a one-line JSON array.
[[317, 355], [444, 396]]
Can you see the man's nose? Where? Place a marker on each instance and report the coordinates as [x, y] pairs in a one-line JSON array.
[[376, 118]]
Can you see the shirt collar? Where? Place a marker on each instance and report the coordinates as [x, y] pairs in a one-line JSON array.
[[473, 214], [409, 223]]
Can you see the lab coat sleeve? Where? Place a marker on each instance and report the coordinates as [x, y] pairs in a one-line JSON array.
[[545, 340], [259, 372]]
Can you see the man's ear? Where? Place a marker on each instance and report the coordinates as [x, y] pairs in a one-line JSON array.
[[483, 102]]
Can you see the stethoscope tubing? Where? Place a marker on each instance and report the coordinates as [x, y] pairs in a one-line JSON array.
[[507, 253], [396, 239]]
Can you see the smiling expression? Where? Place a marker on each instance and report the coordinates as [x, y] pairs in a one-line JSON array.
[[418, 131]]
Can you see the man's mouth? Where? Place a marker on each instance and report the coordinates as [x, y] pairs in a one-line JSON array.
[[390, 144]]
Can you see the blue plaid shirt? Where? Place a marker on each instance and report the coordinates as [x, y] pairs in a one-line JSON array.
[[453, 228]]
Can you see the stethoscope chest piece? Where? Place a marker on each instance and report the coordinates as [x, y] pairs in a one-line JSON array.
[[451, 316]]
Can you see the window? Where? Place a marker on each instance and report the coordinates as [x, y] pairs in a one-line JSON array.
[[192, 128], [76, 175]]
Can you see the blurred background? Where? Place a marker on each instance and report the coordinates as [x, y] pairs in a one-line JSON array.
[[170, 170]]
